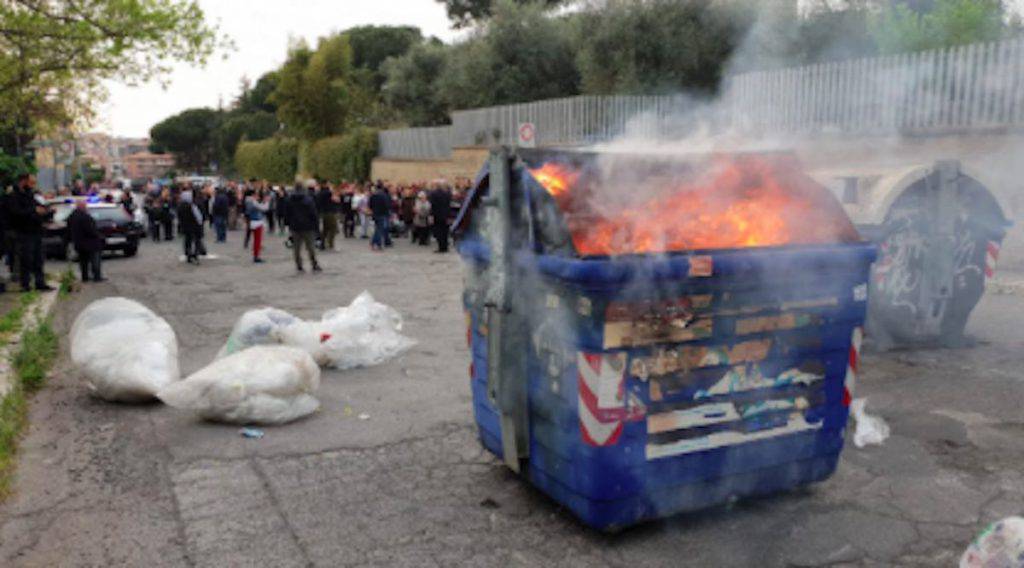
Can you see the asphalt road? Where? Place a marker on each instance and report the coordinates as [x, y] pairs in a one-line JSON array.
[[110, 485]]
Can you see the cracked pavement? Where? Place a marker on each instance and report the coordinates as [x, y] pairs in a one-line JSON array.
[[109, 485]]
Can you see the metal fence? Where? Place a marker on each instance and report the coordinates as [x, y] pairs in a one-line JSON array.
[[964, 88], [969, 87], [416, 143]]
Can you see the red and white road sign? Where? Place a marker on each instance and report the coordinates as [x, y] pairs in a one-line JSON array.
[[527, 135]]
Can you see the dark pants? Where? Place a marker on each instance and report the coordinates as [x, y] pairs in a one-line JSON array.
[[12, 250], [89, 261], [330, 229], [441, 234], [193, 245], [421, 235], [154, 230], [30, 255], [168, 223], [349, 226], [304, 239], [381, 238], [220, 226], [248, 234]]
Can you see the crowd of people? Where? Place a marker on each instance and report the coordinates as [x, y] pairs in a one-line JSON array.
[[313, 214]]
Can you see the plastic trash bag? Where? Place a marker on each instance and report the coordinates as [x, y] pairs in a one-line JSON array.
[[361, 334], [256, 327], [123, 350], [265, 384], [870, 429], [1001, 545]]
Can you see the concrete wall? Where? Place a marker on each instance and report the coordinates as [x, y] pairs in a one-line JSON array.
[[464, 162]]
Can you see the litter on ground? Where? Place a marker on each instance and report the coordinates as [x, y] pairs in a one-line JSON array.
[[1001, 545], [871, 430], [123, 351], [265, 384]]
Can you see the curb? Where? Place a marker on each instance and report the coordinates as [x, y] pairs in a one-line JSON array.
[[37, 312]]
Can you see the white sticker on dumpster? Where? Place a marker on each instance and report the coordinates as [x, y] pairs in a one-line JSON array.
[[860, 292]]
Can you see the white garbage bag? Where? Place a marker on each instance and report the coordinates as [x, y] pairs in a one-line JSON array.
[[1001, 545], [123, 350], [257, 327], [265, 384], [361, 334], [870, 429]]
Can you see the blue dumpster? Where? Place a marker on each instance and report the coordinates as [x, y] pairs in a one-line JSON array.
[[646, 385]]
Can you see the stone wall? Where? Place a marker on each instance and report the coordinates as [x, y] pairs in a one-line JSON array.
[[464, 162]]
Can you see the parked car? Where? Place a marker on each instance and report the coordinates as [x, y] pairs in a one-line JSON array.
[[120, 231]]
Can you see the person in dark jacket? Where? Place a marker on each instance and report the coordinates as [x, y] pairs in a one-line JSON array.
[[190, 223], [88, 242], [219, 211], [329, 205], [440, 208], [167, 214], [380, 208], [300, 215], [348, 213], [280, 205], [27, 218]]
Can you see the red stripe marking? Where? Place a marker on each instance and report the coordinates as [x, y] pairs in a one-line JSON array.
[[846, 397], [591, 442], [594, 360], [989, 272], [854, 359], [993, 249]]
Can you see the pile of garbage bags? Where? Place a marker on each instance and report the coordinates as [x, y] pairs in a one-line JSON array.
[[267, 372], [362, 334]]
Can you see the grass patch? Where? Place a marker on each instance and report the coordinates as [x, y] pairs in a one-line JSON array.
[[12, 420], [67, 282], [11, 321], [35, 356], [30, 364]]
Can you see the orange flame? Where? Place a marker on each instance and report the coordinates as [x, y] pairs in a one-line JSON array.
[[733, 202], [556, 178]]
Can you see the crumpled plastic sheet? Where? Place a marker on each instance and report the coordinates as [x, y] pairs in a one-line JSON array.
[[871, 430], [362, 334], [1000, 545], [265, 384]]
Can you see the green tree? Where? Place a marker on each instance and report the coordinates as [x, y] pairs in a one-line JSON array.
[[464, 13], [257, 97], [411, 87], [54, 54], [521, 54], [274, 159], [237, 126], [656, 45], [372, 45], [900, 27], [192, 136], [316, 94]]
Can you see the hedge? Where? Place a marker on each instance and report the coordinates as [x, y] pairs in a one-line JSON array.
[[342, 158], [275, 160]]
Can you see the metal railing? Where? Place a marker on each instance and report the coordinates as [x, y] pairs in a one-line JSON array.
[[427, 143], [970, 87]]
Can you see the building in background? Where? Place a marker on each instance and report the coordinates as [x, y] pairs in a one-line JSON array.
[[145, 165]]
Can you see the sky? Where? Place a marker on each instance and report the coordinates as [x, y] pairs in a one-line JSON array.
[[260, 30]]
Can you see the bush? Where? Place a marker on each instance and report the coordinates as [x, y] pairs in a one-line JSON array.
[[275, 159], [347, 157]]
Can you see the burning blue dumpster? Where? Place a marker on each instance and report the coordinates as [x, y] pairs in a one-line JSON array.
[[656, 335]]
